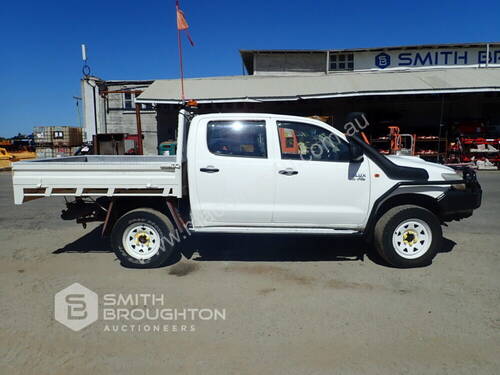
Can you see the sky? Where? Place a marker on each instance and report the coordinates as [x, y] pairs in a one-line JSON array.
[[40, 55]]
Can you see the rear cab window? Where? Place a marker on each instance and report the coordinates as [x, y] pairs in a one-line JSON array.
[[237, 138]]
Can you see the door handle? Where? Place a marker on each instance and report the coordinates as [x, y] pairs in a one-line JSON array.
[[288, 172], [209, 169]]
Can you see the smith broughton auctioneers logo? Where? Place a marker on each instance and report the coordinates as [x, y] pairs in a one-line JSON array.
[[77, 307]]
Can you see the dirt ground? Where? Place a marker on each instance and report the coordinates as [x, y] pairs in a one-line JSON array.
[[294, 305]]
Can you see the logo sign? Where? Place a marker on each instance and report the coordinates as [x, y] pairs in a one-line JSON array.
[[76, 307], [382, 60], [429, 57]]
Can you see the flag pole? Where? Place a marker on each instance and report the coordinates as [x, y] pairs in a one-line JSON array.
[[179, 43]]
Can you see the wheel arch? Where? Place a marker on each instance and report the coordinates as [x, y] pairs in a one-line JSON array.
[[123, 205], [415, 199]]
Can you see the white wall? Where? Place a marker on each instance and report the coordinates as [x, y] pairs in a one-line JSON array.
[[89, 123], [286, 63]]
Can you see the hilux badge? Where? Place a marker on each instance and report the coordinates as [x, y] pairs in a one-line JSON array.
[[360, 176]]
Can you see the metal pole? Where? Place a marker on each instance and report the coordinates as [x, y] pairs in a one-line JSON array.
[[487, 54], [139, 128], [440, 126], [179, 42], [327, 67], [95, 141], [95, 111]]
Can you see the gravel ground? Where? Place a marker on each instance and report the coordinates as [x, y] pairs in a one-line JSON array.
[[293, 305]]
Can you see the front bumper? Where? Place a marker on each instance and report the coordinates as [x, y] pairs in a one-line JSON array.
[[458, 204]]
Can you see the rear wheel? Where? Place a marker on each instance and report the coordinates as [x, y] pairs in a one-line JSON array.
[[408, 236], [141, 238]]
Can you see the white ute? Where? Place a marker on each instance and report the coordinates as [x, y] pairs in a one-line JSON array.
[[257, 173]]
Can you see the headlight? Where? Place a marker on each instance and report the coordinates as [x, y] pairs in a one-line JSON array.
[[453, 177]]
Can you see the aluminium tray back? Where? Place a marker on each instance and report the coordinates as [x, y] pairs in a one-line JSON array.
[[97, 175]]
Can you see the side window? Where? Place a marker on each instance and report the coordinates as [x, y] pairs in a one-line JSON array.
[[299, 141], [128, 101], [237, 138]]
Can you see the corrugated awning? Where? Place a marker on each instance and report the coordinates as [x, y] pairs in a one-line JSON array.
[[276, 88]]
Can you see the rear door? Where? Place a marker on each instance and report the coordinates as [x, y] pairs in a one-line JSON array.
[[316, 184], [233, 174]]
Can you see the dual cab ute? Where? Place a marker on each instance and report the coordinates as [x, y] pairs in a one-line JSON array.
[[257, 173]]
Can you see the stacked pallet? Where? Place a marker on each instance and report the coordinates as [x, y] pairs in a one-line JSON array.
[[56, 141]]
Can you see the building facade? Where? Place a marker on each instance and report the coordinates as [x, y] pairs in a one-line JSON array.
[[314, 62], [109, 107]]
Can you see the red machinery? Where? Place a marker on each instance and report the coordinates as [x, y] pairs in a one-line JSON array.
[[289, 142], [401, 144]]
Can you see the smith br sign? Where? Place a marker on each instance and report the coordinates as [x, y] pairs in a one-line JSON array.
[[423, 58]]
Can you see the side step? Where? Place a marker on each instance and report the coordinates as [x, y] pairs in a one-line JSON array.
[[278, 230]]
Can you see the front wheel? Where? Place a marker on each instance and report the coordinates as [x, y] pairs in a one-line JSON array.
[[142, 238], [408, 236]]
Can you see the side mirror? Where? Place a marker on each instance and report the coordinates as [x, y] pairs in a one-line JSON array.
[[356, 152]]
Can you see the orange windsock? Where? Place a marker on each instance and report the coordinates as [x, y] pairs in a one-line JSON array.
[[181, 20], [182, 23]]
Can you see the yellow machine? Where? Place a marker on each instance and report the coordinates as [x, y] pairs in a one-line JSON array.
[[7, 158]]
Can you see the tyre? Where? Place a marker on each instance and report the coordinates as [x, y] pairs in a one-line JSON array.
[[408, 236], [141, 238]]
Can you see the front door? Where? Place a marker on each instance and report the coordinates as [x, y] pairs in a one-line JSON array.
[[317, 185], [234, 174]]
